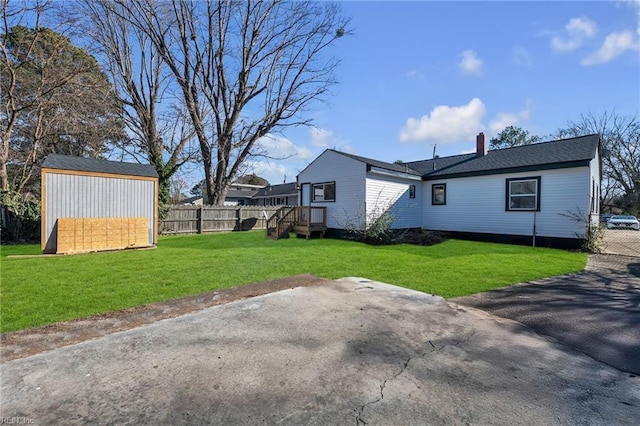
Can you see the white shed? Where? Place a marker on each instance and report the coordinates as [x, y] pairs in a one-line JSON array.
[[92, 205]]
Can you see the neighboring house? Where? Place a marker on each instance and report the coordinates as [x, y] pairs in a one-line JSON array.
[[196, 200], [285, 194], [513, 194], [238, 194]]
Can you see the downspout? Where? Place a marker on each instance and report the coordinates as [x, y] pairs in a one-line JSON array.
[[534, 228]]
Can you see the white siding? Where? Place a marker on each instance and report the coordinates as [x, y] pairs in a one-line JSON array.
[[349, 176], [76, 196], [477, 204], [389, 192]]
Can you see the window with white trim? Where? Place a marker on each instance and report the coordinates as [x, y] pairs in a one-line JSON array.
[[523, 194], [595, 197], [323, 192]]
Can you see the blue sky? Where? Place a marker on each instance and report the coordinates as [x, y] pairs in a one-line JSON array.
[[418, 74]]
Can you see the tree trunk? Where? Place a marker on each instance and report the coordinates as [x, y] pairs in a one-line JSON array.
[[4, 186]]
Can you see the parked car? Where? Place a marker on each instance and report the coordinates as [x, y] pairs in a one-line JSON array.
[[623, 222], [604, 218]]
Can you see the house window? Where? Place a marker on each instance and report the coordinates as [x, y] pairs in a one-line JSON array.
[[595, 197], [523, 194], [439, 194], [323, 192], [412, 191]]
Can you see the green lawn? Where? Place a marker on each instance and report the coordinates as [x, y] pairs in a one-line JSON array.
[[38, 291]]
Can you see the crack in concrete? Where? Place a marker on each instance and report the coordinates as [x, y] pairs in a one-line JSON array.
[[434, 348], [359, 420]]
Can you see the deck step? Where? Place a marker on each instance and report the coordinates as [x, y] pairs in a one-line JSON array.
[[297, 220]]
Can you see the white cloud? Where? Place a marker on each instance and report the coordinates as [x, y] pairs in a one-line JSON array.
[[275, 173], [582, 27], [470, 63], [634, 4], [563, 46], [280, 147], [614, 45], [578, 30], [321, 138], [521, 56], [446, 124], [505, 119], [324, 138]]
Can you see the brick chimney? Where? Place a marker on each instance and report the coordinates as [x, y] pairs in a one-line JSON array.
[[481, 147]]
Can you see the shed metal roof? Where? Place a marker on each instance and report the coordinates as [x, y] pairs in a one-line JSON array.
[[70, 162]]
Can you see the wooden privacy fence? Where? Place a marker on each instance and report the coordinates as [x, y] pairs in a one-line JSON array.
[[202, 219]]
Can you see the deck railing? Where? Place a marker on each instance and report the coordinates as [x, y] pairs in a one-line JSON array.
[[306, 219]]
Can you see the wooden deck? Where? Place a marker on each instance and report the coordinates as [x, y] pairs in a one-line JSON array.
[[301, 220]]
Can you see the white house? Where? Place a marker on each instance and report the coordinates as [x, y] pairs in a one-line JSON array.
[[516, 194]]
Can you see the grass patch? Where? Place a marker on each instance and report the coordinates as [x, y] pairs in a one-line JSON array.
[[38, 291]]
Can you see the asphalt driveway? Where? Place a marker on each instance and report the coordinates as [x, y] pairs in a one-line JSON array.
[[596, 311], [349, 351]]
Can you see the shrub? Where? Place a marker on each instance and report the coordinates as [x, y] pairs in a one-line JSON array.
[[422, 237], [20, 217], [594, 233]]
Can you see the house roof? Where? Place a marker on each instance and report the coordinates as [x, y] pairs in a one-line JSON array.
[[192, 199], [277, 190], [425, 167], [402, 168], [240, 193], [70, 162], [560, 153]]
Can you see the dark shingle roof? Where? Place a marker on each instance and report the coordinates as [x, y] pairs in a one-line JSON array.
[[546, 155], [239, 193], [276, 190], [192, 199], [403, 168], [70, 162], [428, 166]]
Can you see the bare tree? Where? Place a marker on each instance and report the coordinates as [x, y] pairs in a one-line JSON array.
[[244, 69], [620, 136], [55, 97], [160, 133], [179, 187]]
